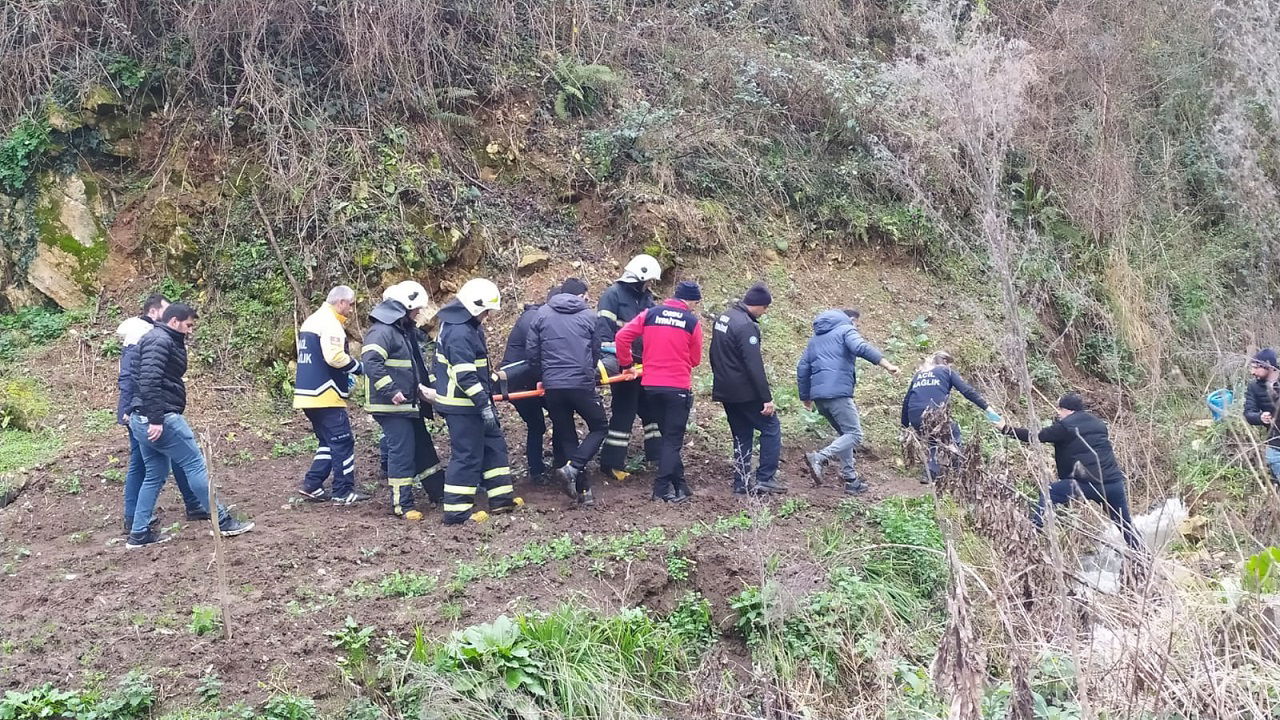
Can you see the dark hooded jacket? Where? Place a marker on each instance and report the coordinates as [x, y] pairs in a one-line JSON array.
[[162, 361], [827, 368], [515, 359], [1260, 397], [1081, 448], [463, 379], [563, 346], [393, 362]]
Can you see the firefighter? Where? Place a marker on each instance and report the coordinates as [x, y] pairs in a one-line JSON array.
[[619, 303], [672, 335], [398, 397], [325, 376], [464, 395]]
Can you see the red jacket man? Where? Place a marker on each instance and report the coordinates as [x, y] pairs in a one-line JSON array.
[[672, 336]]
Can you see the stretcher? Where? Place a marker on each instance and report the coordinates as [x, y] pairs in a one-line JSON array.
[[623, 376]]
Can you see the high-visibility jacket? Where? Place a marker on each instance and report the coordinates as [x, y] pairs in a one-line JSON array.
[[463, 382], [323, 362], [619, 303], [393, 362]]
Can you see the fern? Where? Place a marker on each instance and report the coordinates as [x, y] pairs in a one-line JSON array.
[[581, 89]]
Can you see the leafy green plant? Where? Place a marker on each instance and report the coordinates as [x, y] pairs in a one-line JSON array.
[[20, 150], [581, 89], [210, 689], [126, 71], [498, 649], [691, 620], [353, 640], [69, 484], [792, 506], [1262, 571], [131, 700], [913, 560], [205, 620], [407, 584], [748, 605], [679, 567], [45, 701], [24, 404], [288, 707]]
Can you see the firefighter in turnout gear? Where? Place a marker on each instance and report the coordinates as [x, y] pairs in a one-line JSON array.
[[619, 303], [325, 376], [464, 389], [399, 397]]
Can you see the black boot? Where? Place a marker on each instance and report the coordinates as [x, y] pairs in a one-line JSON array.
[[663, 492], [682, 491]]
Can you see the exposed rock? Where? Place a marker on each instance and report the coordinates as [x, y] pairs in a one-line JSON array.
[[533, 260], [71, 242], [20, 296], [101, 100], [61, 119]]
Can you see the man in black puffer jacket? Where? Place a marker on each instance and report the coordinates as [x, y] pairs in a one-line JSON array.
[[518, 376], [564, 349], [162, 432], [1260, 402], [1086, 465]]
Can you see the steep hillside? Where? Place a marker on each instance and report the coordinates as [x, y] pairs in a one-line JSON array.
[[1065, 196]]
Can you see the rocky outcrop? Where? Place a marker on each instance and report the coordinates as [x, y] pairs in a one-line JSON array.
[[71, 242]]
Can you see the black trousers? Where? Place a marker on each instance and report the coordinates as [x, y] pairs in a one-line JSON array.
[[535, 423], [1111, 496], [411, 460], [586, 404], [628, 400], [477, 460], [745, 421], [671, 406]]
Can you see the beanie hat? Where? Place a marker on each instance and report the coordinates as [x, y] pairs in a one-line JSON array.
[[688, 290], [1071, 401], [574, 286], [1267, 358], [757, 295]]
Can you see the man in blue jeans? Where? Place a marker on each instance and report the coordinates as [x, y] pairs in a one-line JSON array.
[[1086, 465], [130, 332], [1261, 399], [826, 376], [162, 432]]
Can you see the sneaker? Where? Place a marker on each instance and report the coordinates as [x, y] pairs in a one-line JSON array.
[[769, 488], [153, 526], [667, 496], [815, 463], [569, 480], [318, 495], [143, 539], [351, 498], [854, 487], [539, 480], [586, 499], [230, 527], [683, 492]]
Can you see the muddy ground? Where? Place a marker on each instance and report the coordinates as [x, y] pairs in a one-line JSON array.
[[76, 602]]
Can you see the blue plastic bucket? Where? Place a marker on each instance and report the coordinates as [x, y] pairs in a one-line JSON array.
[[1218, 401]]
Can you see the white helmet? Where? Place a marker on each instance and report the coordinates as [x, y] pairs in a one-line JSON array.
[[409, 294], [643, 267], [478, 295]]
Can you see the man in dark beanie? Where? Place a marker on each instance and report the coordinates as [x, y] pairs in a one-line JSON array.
[[517, 375], [564, 350], [672, 339], [740, 384], [1085, 462], [1260, 401]]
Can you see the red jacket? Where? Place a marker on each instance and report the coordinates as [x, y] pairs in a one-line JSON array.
[[672, 338]]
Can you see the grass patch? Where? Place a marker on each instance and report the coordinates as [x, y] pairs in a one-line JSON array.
[[20, 449]]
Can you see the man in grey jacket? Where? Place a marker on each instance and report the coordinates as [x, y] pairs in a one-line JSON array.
[[564, 349]]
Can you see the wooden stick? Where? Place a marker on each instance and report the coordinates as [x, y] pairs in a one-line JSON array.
[[275, 247], [219, 558]]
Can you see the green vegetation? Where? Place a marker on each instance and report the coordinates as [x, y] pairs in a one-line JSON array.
[[19, 449], [33, 327], [132, 699], [205, 620], [20, 151]]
